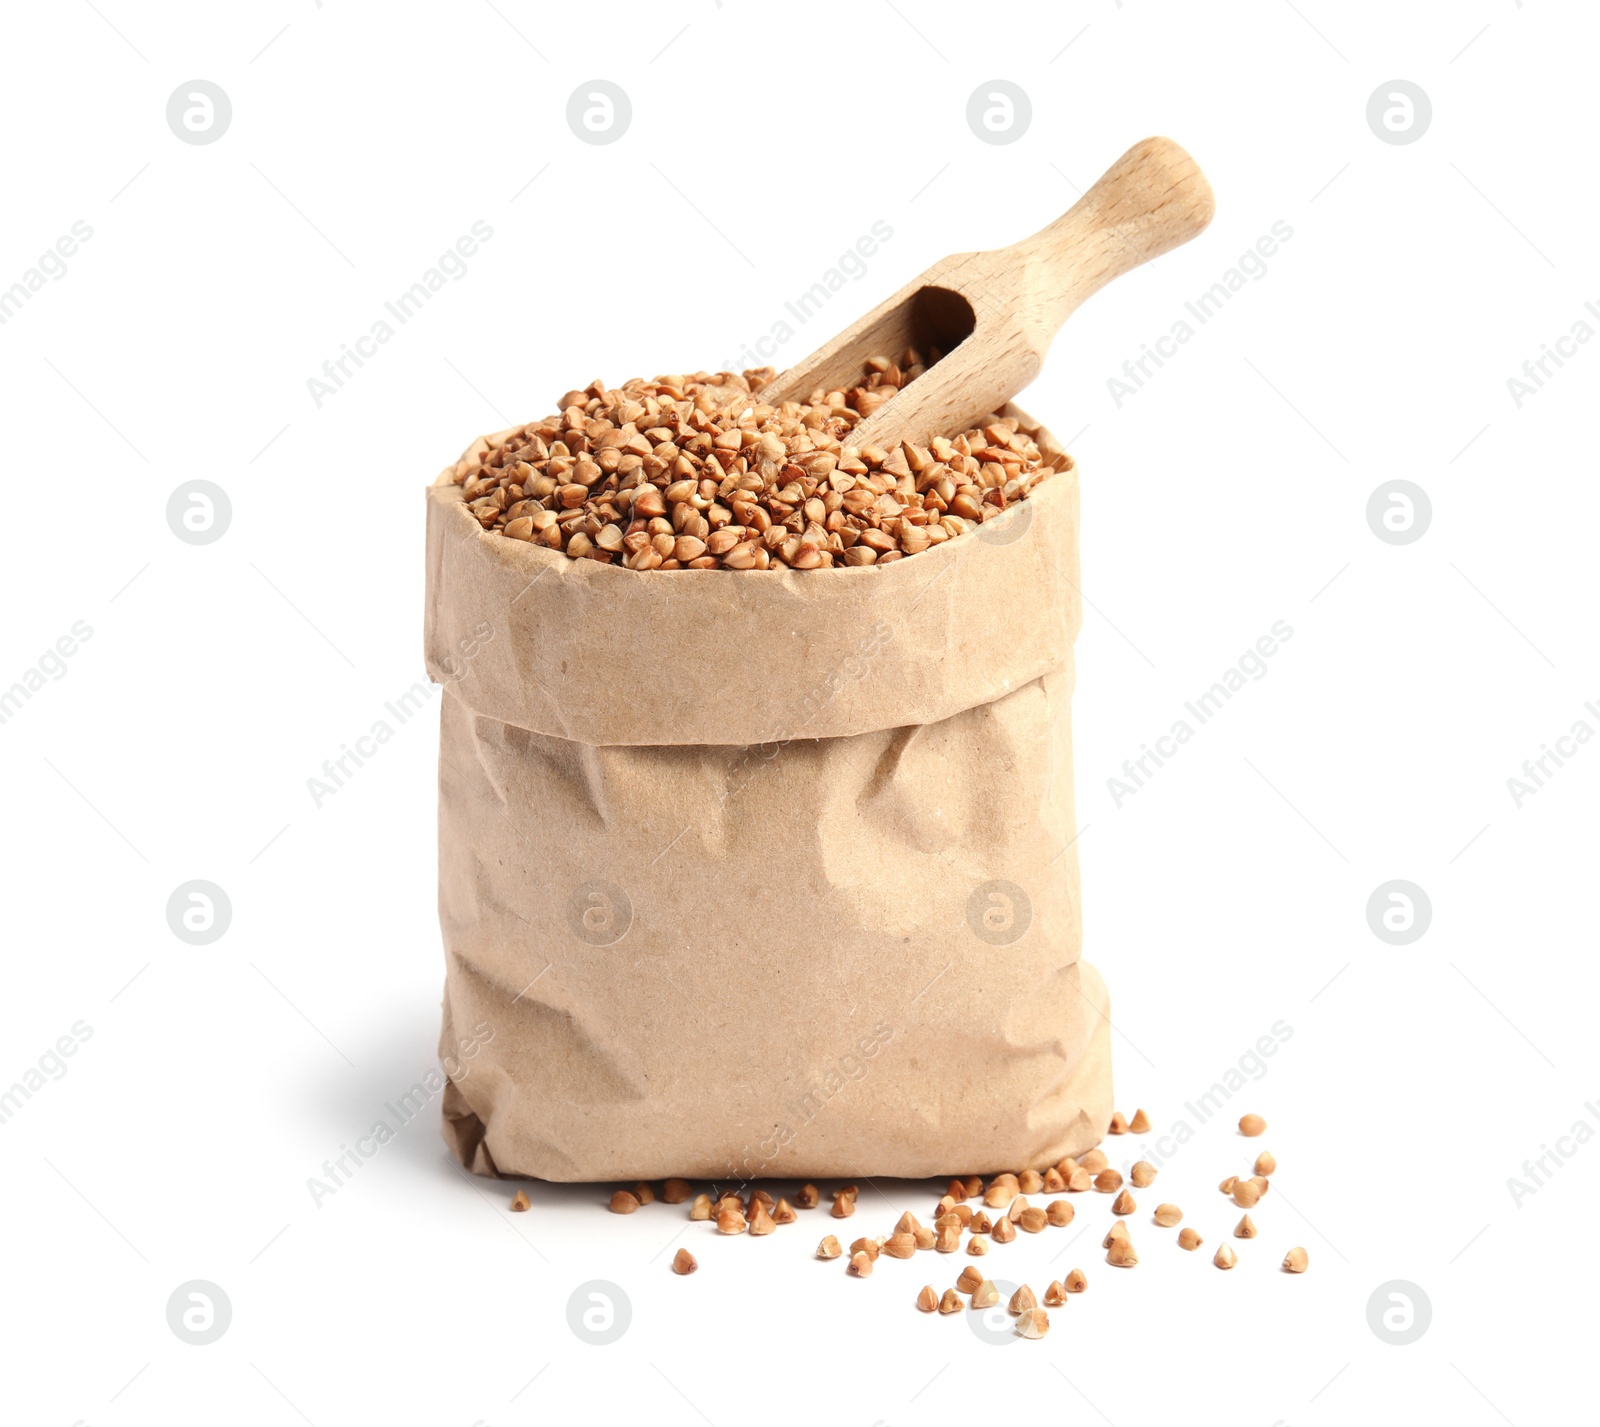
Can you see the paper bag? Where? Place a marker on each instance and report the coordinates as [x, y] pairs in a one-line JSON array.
[[753, 874]]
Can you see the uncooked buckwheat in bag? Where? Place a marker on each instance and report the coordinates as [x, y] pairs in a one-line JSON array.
[[763, 870]]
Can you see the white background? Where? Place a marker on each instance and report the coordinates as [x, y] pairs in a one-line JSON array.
[[1229, 493]]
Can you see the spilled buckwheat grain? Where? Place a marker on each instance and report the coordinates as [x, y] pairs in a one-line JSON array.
[[1121, 1253], [1035, 1323], [699, 473], [900, 1246]]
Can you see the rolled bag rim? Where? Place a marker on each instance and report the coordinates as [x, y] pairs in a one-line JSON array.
[[574, 648]]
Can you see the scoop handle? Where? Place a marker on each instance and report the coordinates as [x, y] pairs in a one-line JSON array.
[[1148, 202]]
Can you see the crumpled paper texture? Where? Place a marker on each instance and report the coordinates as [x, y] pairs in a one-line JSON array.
[[754, 874]]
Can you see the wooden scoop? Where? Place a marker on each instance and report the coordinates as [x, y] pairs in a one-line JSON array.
[[993, 314]]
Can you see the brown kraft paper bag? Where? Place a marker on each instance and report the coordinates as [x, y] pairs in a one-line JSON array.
[[763, 874]]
